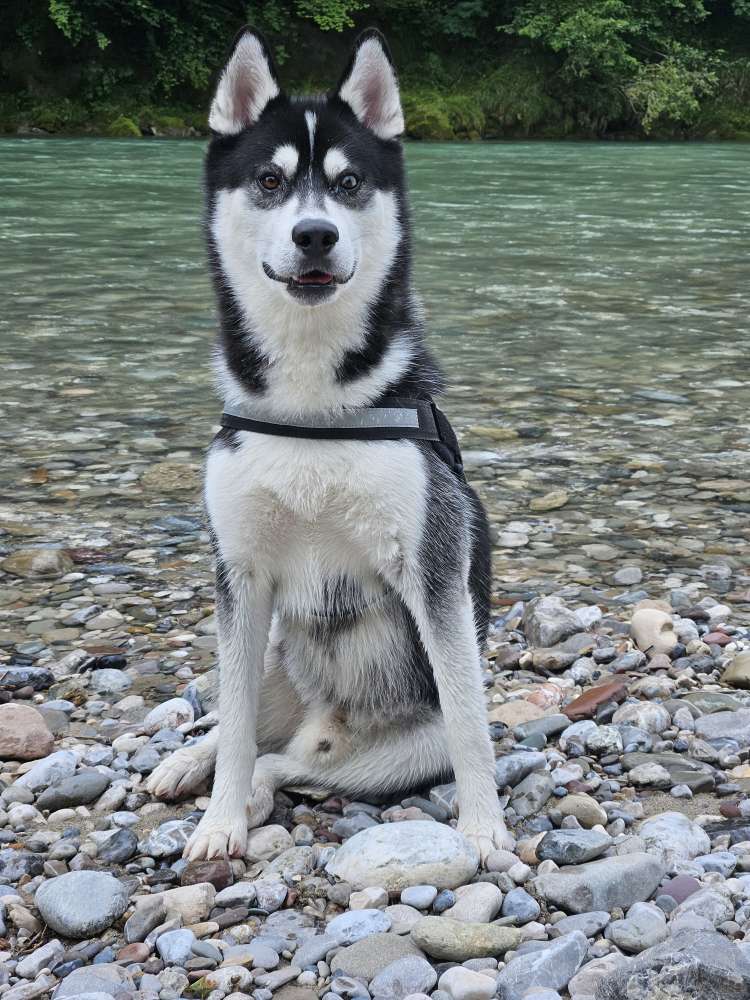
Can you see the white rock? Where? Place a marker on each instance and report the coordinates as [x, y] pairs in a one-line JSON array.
[[673, 836], [169, 715], [463, 984], [397, 855], [478, 903], [371, 898], [267, 842]]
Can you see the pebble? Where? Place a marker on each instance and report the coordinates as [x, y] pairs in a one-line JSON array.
[[407, 975], [456, 940], [357, 924], [463, 984], [421, 897], [552, 967]]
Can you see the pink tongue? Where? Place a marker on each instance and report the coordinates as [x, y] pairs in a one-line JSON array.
[[315, 278]]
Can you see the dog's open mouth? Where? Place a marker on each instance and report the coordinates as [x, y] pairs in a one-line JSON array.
[[314, 277], [309, 286]]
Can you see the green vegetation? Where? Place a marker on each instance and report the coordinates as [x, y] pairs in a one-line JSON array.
[[470, 69]]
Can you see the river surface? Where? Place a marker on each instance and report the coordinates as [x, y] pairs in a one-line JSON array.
[[589, 302]]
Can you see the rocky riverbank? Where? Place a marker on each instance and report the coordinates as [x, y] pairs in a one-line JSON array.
[[622, 730]]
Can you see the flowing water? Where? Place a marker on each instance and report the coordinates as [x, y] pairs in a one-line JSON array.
[[588, 301]]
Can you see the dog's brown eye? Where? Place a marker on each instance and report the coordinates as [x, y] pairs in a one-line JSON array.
[[349, 182], [270, 182]]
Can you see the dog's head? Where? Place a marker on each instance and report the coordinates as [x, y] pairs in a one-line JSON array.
[[304, 194]]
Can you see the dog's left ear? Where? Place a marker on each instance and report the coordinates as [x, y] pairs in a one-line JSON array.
[[370, 88], [247, 83]]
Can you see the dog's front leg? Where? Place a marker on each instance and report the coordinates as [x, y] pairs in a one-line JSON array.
[[446, 626], [243, 615]]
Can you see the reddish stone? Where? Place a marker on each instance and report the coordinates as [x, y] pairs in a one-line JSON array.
[[680, 887], [218, 873], [717, 638], [135, 952], [730, 809], [585, 706]]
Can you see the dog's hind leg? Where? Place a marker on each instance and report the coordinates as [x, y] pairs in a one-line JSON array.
[[330, 757]]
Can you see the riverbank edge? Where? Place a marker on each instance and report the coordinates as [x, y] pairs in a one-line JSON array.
[[429, 116]]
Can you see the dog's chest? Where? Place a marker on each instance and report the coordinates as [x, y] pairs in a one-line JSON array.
[[310, 511]]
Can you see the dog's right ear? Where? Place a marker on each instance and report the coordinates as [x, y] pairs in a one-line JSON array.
[[247, 83]]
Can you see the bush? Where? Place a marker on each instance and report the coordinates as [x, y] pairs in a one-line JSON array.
[[514, 98], [123, 128], [427, 116]]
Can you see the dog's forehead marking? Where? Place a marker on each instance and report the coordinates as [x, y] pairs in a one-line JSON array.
[[287, 157], [335, 162], [312, 119]]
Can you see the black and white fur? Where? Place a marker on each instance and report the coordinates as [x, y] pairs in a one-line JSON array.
[[352, 576]]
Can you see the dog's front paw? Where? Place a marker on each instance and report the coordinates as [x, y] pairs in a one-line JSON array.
[[488, 836], [217, 836], [180, 774]]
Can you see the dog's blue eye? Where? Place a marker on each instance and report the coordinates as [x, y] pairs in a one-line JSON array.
[[269, 182], [349, 182]]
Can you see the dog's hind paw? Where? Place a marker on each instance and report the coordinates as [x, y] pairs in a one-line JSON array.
[[217, 837], [488, 837], [180, 774]]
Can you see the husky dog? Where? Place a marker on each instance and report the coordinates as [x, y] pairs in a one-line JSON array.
[[352, 576]]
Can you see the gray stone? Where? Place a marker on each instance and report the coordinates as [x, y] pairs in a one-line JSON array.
[[407, 975], [698, 776], [455, 941], [357, 924], [41, 958], [419, 896], [644, 926], [15, 864], [363, 959], [518, 903], [107, 978], [169, 715], [109, 681], [572, 847], [552, 967], [514, 767], [547, 621], [397, 855], [80, 904], [49, 771], [168, 839], [476, 903], [602, 885], [692, 965], [117, 846], [719, 725], [673, 836], [710, 904], [723, 862], [587, 923], [532, 793], [176, 947], [75, 790]]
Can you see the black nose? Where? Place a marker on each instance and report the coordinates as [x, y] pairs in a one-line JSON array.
[[315, 236]]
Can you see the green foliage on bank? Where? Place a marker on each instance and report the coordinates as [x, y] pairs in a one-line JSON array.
[[470, 69]]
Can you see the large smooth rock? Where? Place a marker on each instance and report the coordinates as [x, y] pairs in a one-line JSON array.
[[363, 959], [722, 724], [455, 941], [653, 630], [192, 902], [692, 965], [23, 733], [552, 967], [673, 836], [397, 855], [602, 885], [81, 904]]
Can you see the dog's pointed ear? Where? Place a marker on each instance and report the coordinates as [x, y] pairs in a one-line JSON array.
[[247, 83], [370, 87]]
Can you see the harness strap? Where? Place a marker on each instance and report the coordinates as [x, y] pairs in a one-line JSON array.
[[395, 418]]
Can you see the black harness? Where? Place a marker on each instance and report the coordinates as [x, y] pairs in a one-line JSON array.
[[394, 418]]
